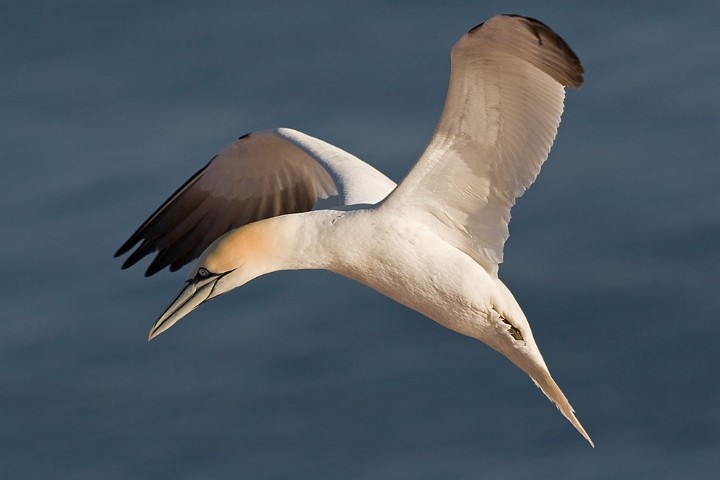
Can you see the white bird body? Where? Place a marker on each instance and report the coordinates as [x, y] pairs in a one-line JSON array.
[[405, 261], [432, 243]]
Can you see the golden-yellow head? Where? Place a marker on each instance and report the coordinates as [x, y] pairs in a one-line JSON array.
[[231, 261], [246, 245]]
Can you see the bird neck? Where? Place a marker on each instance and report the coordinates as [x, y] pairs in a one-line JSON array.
[[304, 241]]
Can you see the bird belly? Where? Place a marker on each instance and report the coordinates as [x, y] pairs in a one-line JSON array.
[[423, 272]]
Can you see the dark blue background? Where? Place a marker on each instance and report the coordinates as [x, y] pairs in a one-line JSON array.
[[107, 107]]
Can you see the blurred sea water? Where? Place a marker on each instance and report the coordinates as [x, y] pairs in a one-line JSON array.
[[107, 107]]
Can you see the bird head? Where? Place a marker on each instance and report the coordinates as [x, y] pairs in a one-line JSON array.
[[230, 262]]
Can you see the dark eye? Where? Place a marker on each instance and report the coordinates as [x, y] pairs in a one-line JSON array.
[[203, 272]]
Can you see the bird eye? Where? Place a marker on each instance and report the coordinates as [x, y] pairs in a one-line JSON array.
[[203, 272]]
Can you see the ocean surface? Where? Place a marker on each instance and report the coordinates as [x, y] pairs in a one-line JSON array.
[[107, 107]]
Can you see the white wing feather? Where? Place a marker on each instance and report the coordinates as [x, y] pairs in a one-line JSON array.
[[500, 118]]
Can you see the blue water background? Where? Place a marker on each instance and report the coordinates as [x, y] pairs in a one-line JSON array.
[[107, 107]]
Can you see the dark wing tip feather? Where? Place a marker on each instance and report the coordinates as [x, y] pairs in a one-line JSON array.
[[154, 268], [572, 70], [124, 248], [144, 233], [137, 255], [546, 49]]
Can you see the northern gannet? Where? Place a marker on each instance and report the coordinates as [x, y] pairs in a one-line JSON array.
[[283, 200]]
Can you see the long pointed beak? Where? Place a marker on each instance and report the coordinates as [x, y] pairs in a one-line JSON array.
[[541, 377], [194, 293]]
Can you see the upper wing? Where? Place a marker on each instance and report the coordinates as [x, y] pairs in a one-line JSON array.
[[260, 175], [501, 115]]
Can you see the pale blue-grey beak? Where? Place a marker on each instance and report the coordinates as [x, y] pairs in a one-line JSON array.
[[195, 292]]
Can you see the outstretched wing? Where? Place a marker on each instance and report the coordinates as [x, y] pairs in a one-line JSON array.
[[501, 115], [260, 175]]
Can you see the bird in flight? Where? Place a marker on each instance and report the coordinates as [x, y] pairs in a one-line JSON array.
[[283, 200]]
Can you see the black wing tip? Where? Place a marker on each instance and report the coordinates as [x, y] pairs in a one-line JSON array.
[[511, 15], [142, 251], [574, 70], [523, 17], [134, 257], [141, 234], [152, 269], [476, 27], [125, 247], [563, 65]]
